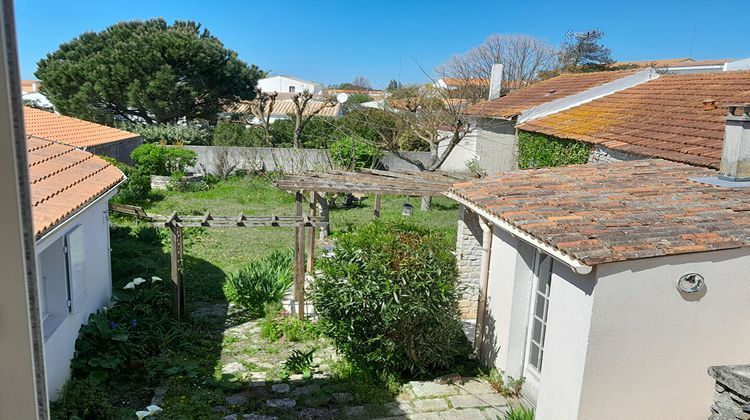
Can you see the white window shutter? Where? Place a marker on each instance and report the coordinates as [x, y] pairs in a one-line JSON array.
[[76, 268]]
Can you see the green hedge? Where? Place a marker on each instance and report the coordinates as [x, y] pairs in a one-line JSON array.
[[539, 151]]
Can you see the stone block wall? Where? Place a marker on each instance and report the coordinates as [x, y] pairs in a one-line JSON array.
[[732, 392], [119, 150], [469, 256], [601, 154]]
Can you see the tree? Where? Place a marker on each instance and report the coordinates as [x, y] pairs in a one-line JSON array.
[[303, 114], [146, 71], [584, 51], [393, 85], [262, 109], [362, 82], [522, 56]]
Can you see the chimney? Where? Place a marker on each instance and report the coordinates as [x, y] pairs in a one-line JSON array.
[[735, 156], [709, 104], [496, 80]]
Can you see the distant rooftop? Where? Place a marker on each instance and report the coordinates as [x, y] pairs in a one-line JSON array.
[[618, 211], [539, 93], [664, 118], [674, 62]]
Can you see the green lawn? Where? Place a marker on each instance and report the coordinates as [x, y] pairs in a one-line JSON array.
[[212, 253]]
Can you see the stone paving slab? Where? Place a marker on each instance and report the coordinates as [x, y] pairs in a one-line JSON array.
[[471, 401], [432, 404], [432, 389]]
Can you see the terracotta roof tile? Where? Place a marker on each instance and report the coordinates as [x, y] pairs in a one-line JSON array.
[[64, 179], [618, 211], [542, 92], [662, 118], [286, 107], [68, 130]]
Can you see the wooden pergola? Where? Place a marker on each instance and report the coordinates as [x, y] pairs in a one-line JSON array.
[[365, 181], [176, 223]]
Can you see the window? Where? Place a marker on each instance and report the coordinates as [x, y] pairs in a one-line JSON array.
[[291, 89], [61, 285], [541, 305]]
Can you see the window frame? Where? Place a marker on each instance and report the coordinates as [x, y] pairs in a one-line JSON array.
[[543, 268]]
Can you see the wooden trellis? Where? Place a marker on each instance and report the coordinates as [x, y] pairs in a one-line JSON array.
[[176, 223]]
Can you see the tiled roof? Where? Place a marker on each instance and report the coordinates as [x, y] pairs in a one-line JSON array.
[[68, 130], [662, 118], [619, 211], [64, 179], [542, 92], [673, 62], [286, 107]]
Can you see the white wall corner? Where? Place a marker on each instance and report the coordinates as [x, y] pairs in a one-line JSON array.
[[743, 64], [496, 80], [588, 95]]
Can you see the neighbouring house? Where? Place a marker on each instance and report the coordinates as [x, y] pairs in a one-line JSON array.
[[613, 287], [493, 142], [676, 117], [95, 138], [287, 84], [689, 65], [284, 110], [31, 95], [70, 189]]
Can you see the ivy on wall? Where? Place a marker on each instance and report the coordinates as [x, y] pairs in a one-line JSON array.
[[539, 151]]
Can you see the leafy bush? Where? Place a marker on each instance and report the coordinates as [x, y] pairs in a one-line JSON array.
[[298, 362], [193, 134], [261, 282], [114, 338], [83, 399], [136, 188], [318, 133], [289, 327], [229, 133], [388, 298], [353, 153], [506, 385], [540, 151], [154, 159], [520, 412]]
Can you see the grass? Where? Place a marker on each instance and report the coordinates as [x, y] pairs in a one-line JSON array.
[[210, 254]]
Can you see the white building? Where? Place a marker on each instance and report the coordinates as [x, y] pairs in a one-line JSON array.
[[612, 288], [70, 189], [287, 84]]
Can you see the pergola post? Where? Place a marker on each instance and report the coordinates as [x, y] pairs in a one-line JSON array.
[[178, 289], [322, 203], [376, 211], [311, 244], [299, 260]]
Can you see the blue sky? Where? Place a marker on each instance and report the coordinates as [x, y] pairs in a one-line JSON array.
[[334, 41]]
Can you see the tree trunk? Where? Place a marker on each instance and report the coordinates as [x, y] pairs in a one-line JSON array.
[[426, 204], [298, 131]]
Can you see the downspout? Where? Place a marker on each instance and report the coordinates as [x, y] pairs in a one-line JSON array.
[[484, 279]]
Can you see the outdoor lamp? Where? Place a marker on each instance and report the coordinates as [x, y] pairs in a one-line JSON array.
[[407, 210], [690, 283]]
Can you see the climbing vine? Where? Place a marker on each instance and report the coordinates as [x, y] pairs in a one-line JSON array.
[[539, 151]]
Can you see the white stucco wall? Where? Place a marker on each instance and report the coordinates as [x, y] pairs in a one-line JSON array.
[[496, 145], [281, 84], [59, 346], [463, 152], [650, 347]]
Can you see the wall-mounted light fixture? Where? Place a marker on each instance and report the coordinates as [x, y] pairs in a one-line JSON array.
[[690, 283]]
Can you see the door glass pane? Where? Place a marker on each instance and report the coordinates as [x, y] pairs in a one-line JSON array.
[[541, 305], [536, 331]]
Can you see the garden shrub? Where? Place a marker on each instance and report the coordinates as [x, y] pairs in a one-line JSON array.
[[353, 153], [541, 151], [228, 133], [193, 134], [136, 188], [82, 399], [388, 298], [154, 159], [278, 323], [261, 282]]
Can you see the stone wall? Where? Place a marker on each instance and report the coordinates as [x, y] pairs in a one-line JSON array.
[[469, 255], [732, 392], [601, 154]]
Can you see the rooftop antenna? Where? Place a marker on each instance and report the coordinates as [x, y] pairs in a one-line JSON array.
[[692, 43]]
